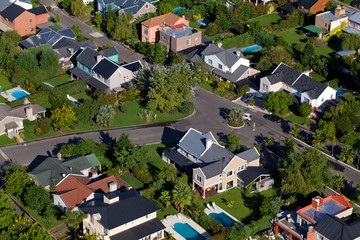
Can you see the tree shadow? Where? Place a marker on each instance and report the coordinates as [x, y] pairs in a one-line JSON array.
[[260, 139], [223, 137], [285, 126], [224, 112], [106, 138], [57, 147], [171, 135], [252, 201], [39, 159]]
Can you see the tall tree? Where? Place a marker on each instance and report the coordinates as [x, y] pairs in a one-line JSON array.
[[16, 183], [37, 198], [63, 117], [329, 130], [74, 218], [235, 115], [122, 29], [105, 115], [165, 197], [272, 57], [295, 130], [98, 19], [339, 181], [278, 102], [181, 196], [347, 155]]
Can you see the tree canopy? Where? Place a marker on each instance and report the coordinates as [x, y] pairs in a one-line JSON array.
[[63, 117], [278, 102]]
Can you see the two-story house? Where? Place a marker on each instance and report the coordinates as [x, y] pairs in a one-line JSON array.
[[353, 24], [213, 167], [180, 37], [305, 88], [52, 171], [122, 216], [22, 20], [136, 7], [151, 28], [303, 7], [74, 190], [330, 20], [101, 69], [62, 41], [300, 225]]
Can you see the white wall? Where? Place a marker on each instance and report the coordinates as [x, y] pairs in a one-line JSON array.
[[215, 62], [27, 6], [338, 22], [59, 202], [241, 61], [121, 76], [327, 94]]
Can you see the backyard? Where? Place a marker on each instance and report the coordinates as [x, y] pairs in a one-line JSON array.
[[267, 19]]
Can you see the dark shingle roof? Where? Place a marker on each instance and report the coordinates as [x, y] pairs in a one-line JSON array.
[[96, 83], [106, 68], [180, 159], [335, 228], [288, 7], [249, 155], [226, 55], [233, 77], [140, 231], [307, 4], [12, 12], [133, 66], [62, 47], [131, 6], [131, 206], [215, 160], [110, 52], [307, 84], [285, 74], [38, 10], [88, 57], [250, 174]]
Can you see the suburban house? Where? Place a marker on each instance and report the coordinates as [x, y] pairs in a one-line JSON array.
[[62, 41], [26, 4], [52, 171], [180, 37], [122, 216], [303, 6], [22, 20], [151, 28], [228, 64], [330, 20], [345, 53], [11, 119], [101, 69], [353, 24], [74, 190], [304, 223], [136, 7], [213, 167], [305, 88]]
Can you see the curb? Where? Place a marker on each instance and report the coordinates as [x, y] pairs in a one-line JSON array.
[[235, 127]]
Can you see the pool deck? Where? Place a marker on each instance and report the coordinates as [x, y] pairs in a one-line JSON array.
[[7, 94], [220, 210], [170, 220], [72, 99]]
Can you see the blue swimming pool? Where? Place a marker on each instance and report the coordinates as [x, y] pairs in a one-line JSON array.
[[179, 9], [223, 219], [204, 22], [340, 92], [187, 232], [251, 48], [49, 85], [19, 94]]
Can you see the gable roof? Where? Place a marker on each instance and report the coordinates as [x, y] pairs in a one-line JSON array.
[[38, 10], [130, 206], [106, 68], [108, 52], [355, 18], [251, 173], [133, 66], [51, 170], [307, 84], [169, 19], [88, 57], [12, 12], [229, 56], [64, 45], [307, 4], [335, 228], [249, 155], [19, 111]]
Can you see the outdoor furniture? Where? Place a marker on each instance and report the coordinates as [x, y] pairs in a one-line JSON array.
[[208, 206], [214, 205]]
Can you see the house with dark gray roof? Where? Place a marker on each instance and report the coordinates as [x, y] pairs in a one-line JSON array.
[[122, 216], [213, 167], [304, 87], [101, 69], [135, 7], [353, 25], [53, 171], [26, 4], [228, 64]]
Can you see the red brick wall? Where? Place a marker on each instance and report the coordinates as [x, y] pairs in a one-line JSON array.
[[43, 18]]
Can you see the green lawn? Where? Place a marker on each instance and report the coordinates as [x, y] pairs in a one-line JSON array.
[[89, 23], [349, 96], [105, 162], [292, 36], [237, 41], [3, 100], [59, 80], [296, 119], [161, 214], [217, 36], [134, 182], [57, 26], [267, 19], [5, 83], [318, 77], [41, 99], [81, 96], [4, 140], [245, 208], [195, 25], [206, 86]]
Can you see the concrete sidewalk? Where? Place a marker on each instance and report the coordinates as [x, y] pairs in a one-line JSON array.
[[257, 107]]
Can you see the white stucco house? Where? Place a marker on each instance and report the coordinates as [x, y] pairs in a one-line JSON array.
[[301, 85]]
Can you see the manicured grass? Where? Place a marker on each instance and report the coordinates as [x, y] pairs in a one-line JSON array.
[[219, 35], [161, 214], [5, 83], [292, 36], [318, 77], [236, 41], [206, 86], [89, 23], [59, 80], [334, 83], [57, 26], [4, 140], [195, 25], [3, 100], [41, 99], [245, 208], [105, 162], [296, 119], [267, 19], [81, 96], [349, 96], [134, 182]]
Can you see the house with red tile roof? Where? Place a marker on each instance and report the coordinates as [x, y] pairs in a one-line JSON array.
[[74, 190], [301, 224]]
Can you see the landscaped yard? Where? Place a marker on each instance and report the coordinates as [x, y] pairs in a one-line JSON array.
[[41, 99], [245, 208], [59, 80], [194, 24], [318, 77], [237, 41], [81, 96], [5, 84], [296, 119], [292, 36], [134, 182], [161, 214], [4, 140], [267, 19], [349, 96]]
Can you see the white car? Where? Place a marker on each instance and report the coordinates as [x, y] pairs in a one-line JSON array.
[[247, 117]]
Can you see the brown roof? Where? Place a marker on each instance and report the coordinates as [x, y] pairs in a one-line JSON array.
[[75, 189], [170, 19]]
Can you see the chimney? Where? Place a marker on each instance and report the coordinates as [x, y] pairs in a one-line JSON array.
[[98, 58], [315, 203], [71, 50], [63, 175], [110, 199], [339, 11], [183, 16], [208, 143], [219, 44], [238, 53], [112, 186], [26, 101], [70, 168], [59, 156], [29, 113]]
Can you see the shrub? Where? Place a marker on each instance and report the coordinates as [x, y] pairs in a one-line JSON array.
[[107, 99], [251, 102], [30, 126], [186, 107], [129, 95], [38, 132], [305, 109], [149, 193], [16, 139], [242, 90], [45, 126], [22, 135], [143, 175]]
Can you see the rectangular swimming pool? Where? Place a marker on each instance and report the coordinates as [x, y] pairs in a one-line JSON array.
[[187, 232], [223, 219], [19, 94], [340, 92], [251, 48], [178, 9], [204, 22]]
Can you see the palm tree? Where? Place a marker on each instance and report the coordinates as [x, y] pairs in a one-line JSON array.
[[295, 130], [74, 218], [290, 145], [357, 191], [165, 198], [339, 181], [319, 139], [181, 196], [235, 115], [269, 141], [347, 155], [105, 115]]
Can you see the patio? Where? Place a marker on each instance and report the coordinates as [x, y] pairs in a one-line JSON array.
[[213, 208], [9, 96]]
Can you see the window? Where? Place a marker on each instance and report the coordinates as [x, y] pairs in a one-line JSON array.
[[352, 24], [146, 6], [332, 96], [148, 216], [358, 27], [322, 99], [32, 29], [165, 38], [196, 39], [229, 173], [146, 31], [220, 176], [265, 87], [198, 178], [30, 20], [320, 237], [210, 61], [146, 38], [241, 168], [159, 234], [220, 66], [188, 42]]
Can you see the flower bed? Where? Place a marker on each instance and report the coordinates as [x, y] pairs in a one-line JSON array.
[[236, 125]]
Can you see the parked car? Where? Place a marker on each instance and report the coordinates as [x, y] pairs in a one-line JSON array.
[[355, 3], [247, 117], [272, 118], [247, 97]]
